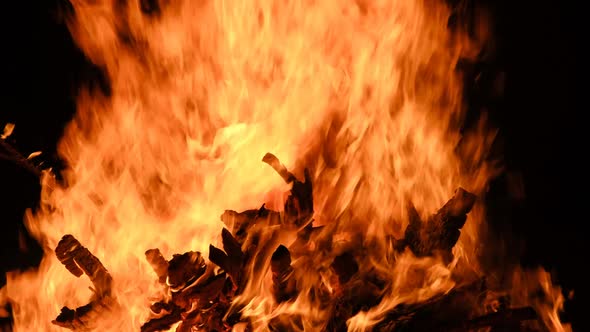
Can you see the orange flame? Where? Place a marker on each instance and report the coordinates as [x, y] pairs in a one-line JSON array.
[[365, 93]]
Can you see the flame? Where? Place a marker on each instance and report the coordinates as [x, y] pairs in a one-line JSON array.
[[364, 93]]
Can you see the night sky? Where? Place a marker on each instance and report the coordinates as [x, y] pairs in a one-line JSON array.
[[538, 48]]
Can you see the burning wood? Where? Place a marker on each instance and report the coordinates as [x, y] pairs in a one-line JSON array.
[[202, 292], [79, 260], [158, 263], [284, 284], [440, 232], [299, 205]]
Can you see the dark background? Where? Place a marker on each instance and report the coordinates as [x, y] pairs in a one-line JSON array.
[[537, 47]]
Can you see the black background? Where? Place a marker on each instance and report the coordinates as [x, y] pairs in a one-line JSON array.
[[538, 47]]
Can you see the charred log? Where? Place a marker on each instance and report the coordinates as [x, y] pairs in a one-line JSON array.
[[284, 283], [184, 269], [448, 312], [9, 153], [79, 260], [163, 323], [241, 222], [299, 204], [158, 263], [232, 260], [345, 267], [351, 293], [508, 320], [440, 232]]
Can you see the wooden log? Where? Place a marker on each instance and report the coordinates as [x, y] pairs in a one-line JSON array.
[[79, 260], [284, 283], [440, 232], [351, 292], [184, 269], [163, 323], [232, 260], [9, 153], [345, 267], [84, 318], [299, 204], [158, 263], [509, 317], [241, 222], [441, 310], [410, 323]]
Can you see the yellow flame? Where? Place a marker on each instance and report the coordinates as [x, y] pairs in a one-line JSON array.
[[364, 93]]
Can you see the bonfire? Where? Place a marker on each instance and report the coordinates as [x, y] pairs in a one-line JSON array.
[[373, 223]]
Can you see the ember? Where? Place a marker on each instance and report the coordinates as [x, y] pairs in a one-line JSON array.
[[374, 222]]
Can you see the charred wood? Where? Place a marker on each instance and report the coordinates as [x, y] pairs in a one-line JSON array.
[[299, 204], [351, 293], [9, 153], [500, 320], [184, 269], [79, 260], [345, 267], [241, 222], [232, 260], [419, 323], [163, 323], [158, 263], [201, 292], [284, 283], [440, 232]]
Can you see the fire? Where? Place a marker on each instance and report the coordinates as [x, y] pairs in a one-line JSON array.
[[363, 93]]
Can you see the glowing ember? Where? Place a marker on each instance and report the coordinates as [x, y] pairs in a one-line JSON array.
[[362, 93]]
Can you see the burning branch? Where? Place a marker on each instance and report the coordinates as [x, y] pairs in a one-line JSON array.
[[9, 153], [79, 260]]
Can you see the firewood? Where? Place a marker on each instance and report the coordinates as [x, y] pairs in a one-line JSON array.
[[284, 283], [79, 260], [241, 222], [511, 318], [83, 318], [160, 307], [184, 269], [276, 164], [158, 263], [232, 260], [498, 319], [440, 232], [299, 204], [9, 153], [441, 310], [201, 293], [351, 293], [163, 323], [345, 267]]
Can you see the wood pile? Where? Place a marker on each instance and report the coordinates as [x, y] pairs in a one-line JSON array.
[[202, 290]]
